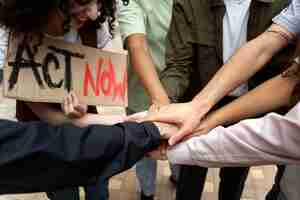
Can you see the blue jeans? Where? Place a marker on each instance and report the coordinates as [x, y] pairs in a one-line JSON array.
[[146, 172], [146, 175], [97, 192], [93, 192]]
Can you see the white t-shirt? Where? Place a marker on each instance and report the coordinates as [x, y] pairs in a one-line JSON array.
[[235, 23], [103, 37], [3, 46]]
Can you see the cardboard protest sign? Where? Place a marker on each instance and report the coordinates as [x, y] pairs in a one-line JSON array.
[[43, 69]]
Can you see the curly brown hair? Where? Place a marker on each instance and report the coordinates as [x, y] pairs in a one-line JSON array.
[[23, 16]]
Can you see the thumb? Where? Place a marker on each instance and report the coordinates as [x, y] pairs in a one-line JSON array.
[[81, 108], [181, 134]]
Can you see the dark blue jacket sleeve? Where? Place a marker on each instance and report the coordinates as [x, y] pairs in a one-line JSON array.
[[38, 157]]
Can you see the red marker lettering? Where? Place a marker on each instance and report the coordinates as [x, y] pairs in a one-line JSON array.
[[105, 81]]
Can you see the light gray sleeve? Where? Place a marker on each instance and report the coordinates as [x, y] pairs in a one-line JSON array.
[[289, 18]]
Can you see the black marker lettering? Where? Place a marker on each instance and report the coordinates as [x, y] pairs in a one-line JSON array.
[[20, 62], [49, 59], [68, 72]]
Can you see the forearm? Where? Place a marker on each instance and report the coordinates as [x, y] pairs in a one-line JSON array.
[[143, 65], [48, 114], [37, 157], [245, 63], [269, 96], [97, 119], [269, 140]]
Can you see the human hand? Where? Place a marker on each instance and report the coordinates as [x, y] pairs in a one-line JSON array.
[[140, 116], [185, 115], [166, 130], [209, 122], [203, 129], [72, 107]]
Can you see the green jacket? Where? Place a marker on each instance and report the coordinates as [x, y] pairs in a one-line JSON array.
[[194, 45]]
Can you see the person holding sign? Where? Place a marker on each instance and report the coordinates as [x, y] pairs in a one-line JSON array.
[[36, 156], [89, 22]]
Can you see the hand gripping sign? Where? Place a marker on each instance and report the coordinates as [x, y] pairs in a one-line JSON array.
[[43, 69]]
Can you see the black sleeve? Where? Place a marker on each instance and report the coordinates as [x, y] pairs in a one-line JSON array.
[[37, 157]]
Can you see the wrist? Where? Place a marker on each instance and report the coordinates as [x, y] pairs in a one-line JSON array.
[[201, 105], [160, 129], [208, 123], [164, 100], [165, 130], [216, 118], [161, 152]]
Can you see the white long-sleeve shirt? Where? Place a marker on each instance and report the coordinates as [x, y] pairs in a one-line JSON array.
[[267, 140]]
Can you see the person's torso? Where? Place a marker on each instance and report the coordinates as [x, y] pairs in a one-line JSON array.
[[206, 21], [157, 20]]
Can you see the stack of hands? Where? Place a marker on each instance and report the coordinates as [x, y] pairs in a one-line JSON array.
[[171, 131]]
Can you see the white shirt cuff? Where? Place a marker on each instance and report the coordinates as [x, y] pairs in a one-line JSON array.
[[180, 154]]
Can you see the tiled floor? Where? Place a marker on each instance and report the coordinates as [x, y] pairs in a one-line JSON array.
[[123, 186]]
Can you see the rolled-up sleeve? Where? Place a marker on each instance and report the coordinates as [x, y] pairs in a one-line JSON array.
[[289, 18], [273, 139], [179, 51], [131, 19]]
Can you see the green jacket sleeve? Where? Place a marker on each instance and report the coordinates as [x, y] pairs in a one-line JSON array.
[[179, 52]]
